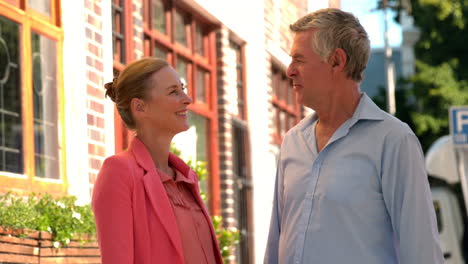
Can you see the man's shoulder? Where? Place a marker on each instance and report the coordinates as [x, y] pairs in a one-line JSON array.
[[395, 126]]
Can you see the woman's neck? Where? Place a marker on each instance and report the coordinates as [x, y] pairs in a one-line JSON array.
[[158, 146]]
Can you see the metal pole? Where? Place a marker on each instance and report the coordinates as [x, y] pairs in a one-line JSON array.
[[389, 66]]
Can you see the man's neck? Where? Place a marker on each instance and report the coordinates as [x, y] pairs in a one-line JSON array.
[[339, 108]]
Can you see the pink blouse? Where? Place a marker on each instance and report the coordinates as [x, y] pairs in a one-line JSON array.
[[194, 230]]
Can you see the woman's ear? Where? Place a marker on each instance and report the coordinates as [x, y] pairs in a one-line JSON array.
[[137, 106]]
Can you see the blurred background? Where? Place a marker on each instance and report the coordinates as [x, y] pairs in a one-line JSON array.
[[57, 127]]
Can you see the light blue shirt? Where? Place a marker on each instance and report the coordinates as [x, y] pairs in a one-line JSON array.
[[363, 199]]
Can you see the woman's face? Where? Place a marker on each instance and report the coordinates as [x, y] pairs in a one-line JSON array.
[[166, 105]]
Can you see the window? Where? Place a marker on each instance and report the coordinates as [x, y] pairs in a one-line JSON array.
[[243, 191], [186, 41], [240, 151], [237, 49], [118, 31], [30, 88], [122, 51], [286, 112], [45, 106]]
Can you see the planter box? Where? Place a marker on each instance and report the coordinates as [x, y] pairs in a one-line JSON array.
[[27, 247]]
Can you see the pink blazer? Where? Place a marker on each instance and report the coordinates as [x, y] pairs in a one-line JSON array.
[[134, 218]]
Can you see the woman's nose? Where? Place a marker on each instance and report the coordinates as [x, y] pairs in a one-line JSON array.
[[187, 99]]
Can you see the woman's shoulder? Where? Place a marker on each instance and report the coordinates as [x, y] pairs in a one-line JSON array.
[[121, 160], [122, 164]]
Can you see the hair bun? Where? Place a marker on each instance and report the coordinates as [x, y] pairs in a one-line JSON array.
[[110, 89]]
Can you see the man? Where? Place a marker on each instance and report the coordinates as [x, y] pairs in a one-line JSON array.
[[351, 186]]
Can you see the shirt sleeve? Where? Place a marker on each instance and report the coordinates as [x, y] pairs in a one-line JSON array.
[[409, 202], [112, 206], [272, 249]]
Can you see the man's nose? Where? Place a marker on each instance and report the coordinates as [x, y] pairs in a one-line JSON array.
[[291, 71]]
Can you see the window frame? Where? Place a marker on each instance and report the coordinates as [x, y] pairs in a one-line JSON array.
[[239, 122], [153, 38], [122, 135], [32, 21], [280, 103]]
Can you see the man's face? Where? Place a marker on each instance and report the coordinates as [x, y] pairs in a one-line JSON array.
[[311, 75]]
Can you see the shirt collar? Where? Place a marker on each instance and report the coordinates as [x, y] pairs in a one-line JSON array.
[[178, 178], [367, 109]]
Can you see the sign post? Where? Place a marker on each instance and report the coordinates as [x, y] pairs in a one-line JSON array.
[[459, 131]]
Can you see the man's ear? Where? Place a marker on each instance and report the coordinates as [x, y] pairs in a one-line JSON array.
[[338, 59]]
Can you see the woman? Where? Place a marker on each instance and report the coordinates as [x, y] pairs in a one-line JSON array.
[[146, 200]]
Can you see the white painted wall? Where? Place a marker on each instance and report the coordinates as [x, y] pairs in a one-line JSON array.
[[74, 78], [108, 62]]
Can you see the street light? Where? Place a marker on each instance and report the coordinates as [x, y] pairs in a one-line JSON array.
[[389, 65]]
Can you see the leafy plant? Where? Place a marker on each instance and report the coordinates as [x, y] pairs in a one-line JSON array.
[[227, 238], [61, 216]]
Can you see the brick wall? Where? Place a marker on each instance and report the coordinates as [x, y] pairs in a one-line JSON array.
[[225, 65], [94, 87], [279, 14]]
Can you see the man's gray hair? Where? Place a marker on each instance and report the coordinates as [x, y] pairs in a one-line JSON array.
[[337, 29]]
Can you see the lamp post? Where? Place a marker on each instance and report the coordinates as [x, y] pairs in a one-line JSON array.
[[389, 65]]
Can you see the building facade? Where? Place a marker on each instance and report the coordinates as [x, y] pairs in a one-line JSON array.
[[57, 126]]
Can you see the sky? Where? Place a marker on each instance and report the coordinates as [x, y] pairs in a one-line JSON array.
[[373, 21]]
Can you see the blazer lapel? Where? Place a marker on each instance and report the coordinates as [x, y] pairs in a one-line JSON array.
[[157, 195]]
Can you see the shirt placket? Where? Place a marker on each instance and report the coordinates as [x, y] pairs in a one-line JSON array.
[[308, 207]]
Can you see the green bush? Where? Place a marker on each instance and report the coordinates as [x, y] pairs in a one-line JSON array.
[[61, 216]]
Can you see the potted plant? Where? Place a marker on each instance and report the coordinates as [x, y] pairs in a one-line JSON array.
[[41, 228]]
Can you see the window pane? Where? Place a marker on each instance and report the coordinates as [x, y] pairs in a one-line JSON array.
[[200, 125], [284, 89], [199, 43], [283, 123], [158, 20], [42, 6], [277, 120], [180, 32], [118, 32], [160, 53], [45, 106], [182, 69], [202, 77], [276, 80], [11, 130]]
